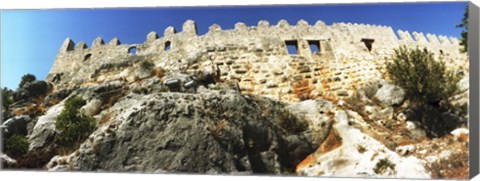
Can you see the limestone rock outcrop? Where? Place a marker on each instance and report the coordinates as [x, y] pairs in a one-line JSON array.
[[196, 133]]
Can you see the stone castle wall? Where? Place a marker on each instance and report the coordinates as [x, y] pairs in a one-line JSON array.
[[348, 56]]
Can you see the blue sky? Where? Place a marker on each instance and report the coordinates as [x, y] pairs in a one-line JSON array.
[[30, 39]]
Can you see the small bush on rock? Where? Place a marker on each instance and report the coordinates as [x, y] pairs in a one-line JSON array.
[[147, 65], [74, 125], [382, 166], [15, 146]]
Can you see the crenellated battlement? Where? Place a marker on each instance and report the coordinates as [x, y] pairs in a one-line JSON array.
[[332, 60], [354, 30]]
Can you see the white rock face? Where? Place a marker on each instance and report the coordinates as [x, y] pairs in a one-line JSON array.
[[314, 112], [44, 129], [350, 161], [410, 126], [459, 132], [390, 94], [7, 159]]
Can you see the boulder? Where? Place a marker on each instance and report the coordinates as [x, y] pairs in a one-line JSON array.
[[6, 160], [43, 134], [16, 126], [460, 133], [390, 95], [315, 113], [92, 107]]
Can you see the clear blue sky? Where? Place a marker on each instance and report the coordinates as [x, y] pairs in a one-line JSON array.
[[30, 39]]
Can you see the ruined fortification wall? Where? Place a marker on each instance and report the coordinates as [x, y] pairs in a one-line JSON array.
[[348, 56]]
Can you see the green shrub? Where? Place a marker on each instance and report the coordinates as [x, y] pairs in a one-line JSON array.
[[74, 125], [382, 166], [26, 78], [425, 80], [147, 65], [15, 146], [7, 98]]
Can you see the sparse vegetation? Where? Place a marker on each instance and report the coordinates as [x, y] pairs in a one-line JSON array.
[[361, 149], [452, 167], [74, 125], [7, 98], [33, 160], [15, 146], [382, 166], [147, 65]]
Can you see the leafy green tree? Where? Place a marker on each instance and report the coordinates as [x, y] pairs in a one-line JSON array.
[[26, 78], [425, 80], [73, 124], [464, 26]]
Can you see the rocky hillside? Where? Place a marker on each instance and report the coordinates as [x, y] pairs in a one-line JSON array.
[[171, 121]]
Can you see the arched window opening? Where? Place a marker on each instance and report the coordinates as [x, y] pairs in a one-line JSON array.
[[132, 50]]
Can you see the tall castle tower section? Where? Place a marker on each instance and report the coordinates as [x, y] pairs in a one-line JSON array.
[[281, 61]]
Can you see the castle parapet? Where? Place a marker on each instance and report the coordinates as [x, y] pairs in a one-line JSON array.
[[433, 39], [263, 25], [240, 26], [81, 45], [151, 37], [169, 31], [283, 24], [419, 38], [214, 28], [68, 45], [189, 28], [98, 42], [405, 36], [114, 42]]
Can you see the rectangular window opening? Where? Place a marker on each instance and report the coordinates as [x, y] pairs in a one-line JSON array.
[[314, 46], [292, 47], [167, 45]]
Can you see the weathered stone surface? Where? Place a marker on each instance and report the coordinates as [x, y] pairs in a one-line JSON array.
[[16, 126], [260, 46], [168, 128], [155, 121], [390, 95], [315, 113], [44, 131], [357, 154], [92, 107]]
